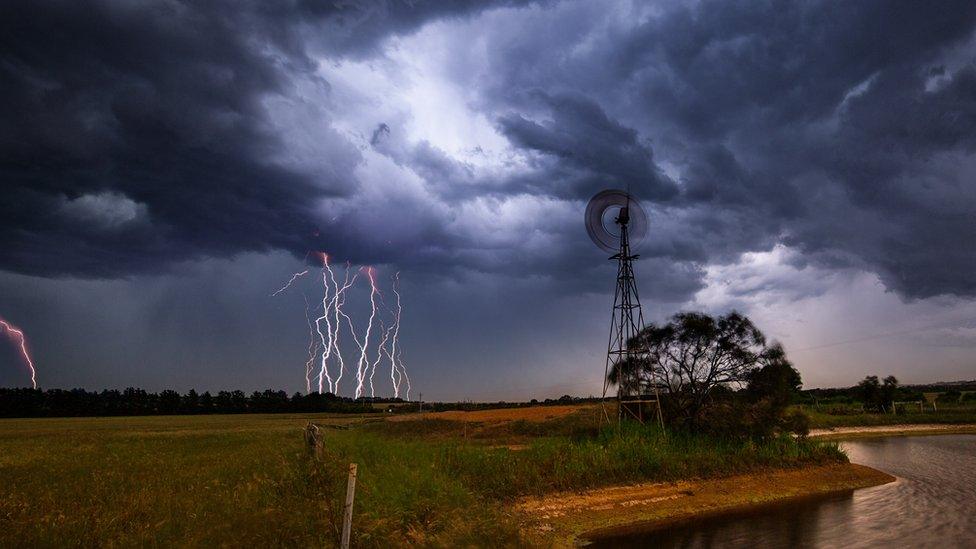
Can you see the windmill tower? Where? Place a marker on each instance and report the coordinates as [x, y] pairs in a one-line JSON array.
[[616, 222]]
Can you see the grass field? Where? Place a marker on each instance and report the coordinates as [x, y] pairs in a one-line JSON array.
[[246, 479], [842, 417], [203, 480]]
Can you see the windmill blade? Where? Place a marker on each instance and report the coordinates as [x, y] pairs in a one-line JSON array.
[[602, 216]]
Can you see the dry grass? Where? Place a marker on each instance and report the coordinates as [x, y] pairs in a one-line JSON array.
[[532, 414]]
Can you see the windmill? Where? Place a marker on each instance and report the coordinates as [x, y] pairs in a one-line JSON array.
[[616, 223]]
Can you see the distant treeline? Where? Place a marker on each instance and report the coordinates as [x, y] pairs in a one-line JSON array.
[[138, 402], [469, 406], [957, 391], [902, 392]]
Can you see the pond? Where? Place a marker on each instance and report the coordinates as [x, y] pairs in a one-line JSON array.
[[933, 503]]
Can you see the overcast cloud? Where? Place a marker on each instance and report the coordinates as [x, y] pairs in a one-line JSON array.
[[165, 166]]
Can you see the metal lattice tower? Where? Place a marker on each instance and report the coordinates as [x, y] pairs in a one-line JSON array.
[[637, 395]]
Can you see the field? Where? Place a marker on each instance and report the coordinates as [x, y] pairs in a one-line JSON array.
[[849, 416], [201, 480], [450, 479]]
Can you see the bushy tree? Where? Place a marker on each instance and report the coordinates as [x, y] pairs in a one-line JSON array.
[[776, 380], [950, 396], [190, 403], [168, 402], [889, 388], [717, 374], [868, 391], [876, 395]]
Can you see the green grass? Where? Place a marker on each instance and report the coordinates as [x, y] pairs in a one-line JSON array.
[[205, 480], [848, 416], [236, 480], [613, 458]]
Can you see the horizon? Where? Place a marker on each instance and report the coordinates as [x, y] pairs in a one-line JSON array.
[[540, 400]]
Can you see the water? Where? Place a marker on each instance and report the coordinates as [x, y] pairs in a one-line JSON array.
[[932, 504]]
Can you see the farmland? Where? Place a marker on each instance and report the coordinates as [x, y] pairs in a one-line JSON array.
[[443, 479]]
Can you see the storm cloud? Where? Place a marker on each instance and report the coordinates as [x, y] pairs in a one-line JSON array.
[[779, 144], [172, 110], [134, 137], [839, 129]]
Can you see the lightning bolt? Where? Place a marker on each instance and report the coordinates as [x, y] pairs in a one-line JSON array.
[[325, 330], [340, 301], [313, 348], [331, 311], [394, 375], [294, 277], [16, 336], [327, 343], [363, 345], [397, 370], [379, 356]]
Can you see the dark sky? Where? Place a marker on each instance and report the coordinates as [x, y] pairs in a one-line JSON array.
[[166, 166]]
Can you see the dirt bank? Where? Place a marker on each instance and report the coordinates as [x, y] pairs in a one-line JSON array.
[[892, 430], [560, 519]]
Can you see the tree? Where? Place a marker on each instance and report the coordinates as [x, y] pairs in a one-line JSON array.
[[868, 391], [206, 403], [169, 402], [238, 401], [694, 355], [223, 402], [770, 391], [876, 395], [190, 404], [889, 389], [776, 380]]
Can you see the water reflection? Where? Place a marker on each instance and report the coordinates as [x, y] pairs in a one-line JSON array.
[[933, 503]]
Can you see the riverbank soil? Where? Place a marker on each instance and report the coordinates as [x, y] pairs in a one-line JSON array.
[[869, 431], [562, 519]]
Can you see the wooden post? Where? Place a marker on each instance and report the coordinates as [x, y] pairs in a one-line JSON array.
[[310, 438], [347, 513], [314, 440]]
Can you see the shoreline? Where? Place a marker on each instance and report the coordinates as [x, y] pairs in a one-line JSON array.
[[565, 519], [906, 429]]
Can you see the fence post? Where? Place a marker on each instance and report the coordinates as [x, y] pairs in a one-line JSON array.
[[347, 512], [319, 443], [313, 440]]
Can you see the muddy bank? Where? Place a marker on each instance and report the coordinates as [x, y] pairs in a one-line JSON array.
[[563, 519]]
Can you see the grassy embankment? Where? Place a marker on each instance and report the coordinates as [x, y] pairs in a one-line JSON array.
[[236, 480], [566, 517]]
